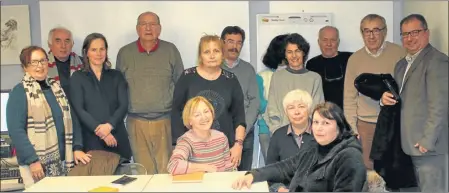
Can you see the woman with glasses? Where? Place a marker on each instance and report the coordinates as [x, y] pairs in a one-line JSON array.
[[294, 76], [40, 123], [330, 65]]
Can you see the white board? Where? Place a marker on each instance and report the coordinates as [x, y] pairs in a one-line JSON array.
[[183, 22], [305, 24]]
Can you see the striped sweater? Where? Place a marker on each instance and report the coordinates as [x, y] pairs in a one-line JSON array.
[[191, 149]]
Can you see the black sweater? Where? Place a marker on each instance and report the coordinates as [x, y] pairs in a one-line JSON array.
[[224, 93], [337, 167], [283, 146], [332, 72], [98, 102]]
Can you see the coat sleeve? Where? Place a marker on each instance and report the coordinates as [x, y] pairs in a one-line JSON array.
[[179, 100], [437, 103], [278, 172], [350, 172], [350, 95]]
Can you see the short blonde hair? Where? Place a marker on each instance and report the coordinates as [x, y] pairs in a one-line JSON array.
[[191, 105], [206, 39], [298, 95]]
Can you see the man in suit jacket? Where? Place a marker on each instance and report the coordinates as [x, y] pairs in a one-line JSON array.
[[423, 76]]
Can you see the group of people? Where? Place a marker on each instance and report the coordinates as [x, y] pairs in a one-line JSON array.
[[75, 115]]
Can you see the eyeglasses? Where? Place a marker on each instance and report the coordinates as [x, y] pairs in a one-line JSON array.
[[229, 41], [375, 31], [332, 79], [35, 63], [145, 24], [413, 33]]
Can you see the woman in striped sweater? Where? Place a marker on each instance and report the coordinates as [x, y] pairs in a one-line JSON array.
[[201, 149]]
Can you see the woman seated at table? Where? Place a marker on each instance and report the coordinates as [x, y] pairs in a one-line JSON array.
[[334, 164], [99, 96], [201, 148], [40, 122], [288, 140]]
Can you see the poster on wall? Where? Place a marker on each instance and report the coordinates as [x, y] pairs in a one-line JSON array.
[[15, 32]]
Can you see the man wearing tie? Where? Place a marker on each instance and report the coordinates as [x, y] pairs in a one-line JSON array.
[[423, 77]]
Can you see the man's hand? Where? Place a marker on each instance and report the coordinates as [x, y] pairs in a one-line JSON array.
[[236, 154], [103, 130], [110, 140], [388, 99], [82, 157], [37, 171], [283, 189], [420, 148]]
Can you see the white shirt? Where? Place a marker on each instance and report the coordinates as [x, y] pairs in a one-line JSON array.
[[410, 59], [379, 52]]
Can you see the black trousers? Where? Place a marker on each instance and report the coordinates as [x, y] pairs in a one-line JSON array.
[[247, 152]]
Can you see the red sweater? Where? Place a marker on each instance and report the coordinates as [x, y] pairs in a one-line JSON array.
[[190, 149]]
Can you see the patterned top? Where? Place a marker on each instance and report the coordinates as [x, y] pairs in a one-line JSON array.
[[191, 149]]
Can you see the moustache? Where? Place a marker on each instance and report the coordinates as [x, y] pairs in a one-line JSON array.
[[233, 50]]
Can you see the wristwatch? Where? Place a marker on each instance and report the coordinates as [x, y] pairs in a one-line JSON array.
[[239, 141]]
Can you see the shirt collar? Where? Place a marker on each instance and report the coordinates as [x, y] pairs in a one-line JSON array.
[[290, 129], [379, 52], [410, 58], [234, 64], [141, 49]]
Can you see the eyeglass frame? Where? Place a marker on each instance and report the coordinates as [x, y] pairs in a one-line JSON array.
[[151, 24], [333, 79], [375, 31], [35, 63], [412, 33], [229, 41]]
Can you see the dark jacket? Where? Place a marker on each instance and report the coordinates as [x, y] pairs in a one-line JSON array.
[[390, 162], [98, 102], [339, 170]]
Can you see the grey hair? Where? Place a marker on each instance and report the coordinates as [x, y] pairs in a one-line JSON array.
[[149, 12], [302, 96], [371, 17], [52, 31], [331, 27]]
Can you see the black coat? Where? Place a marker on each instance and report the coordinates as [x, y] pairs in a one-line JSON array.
[[340, 170], [390, 161]]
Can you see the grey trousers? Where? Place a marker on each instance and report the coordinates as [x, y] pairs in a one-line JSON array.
[[431, 172]]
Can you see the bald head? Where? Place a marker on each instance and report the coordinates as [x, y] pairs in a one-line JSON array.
[[148, 13], [328, 40]]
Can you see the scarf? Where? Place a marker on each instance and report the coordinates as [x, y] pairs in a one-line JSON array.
[[75, 65], [41, 127]]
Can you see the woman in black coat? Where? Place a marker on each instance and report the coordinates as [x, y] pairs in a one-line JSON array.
[[99, 96], [334, 164]]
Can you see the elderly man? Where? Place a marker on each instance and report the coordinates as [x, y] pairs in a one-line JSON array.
[[422, 77], [62, 61], [377, 56], [233, 38], [330, 65], [151, 66]]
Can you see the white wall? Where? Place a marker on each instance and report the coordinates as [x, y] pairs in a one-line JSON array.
[[346, 17], [436, 14], [183, 22]]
